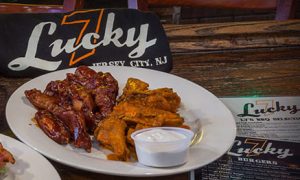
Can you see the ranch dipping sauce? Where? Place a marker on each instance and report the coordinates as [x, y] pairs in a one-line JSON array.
[[162, 146], [159, 135]]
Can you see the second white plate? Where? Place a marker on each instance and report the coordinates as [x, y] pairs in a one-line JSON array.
[[29, 163]]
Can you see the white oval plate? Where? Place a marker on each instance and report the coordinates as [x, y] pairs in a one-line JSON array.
[[217, 124], [29, 163]]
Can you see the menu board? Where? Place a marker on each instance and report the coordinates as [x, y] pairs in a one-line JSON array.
[[267, 145]]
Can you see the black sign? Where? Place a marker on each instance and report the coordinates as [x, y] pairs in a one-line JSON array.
[[34, 44]]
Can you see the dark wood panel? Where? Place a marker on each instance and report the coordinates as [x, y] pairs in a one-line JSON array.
[[242, 35], [269, 72], [246, 28]]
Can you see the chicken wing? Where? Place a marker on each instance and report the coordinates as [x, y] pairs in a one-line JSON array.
[[73, 120], [133, 86], [103, 86], [147, 116], [52, 127], [112, 135], [75, 95], [137, 92]]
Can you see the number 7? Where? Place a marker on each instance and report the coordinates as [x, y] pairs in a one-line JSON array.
[[85, 23]]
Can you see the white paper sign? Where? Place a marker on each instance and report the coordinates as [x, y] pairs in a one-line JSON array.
[[276, 118]]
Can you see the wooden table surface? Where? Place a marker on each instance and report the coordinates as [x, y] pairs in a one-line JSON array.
[[260, 58]]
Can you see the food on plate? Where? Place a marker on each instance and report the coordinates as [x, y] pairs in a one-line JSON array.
[[70, 109], [137, 108], [102, 86], [52, 126], [145, 115], [111, 133], [136, 92], [5, 157], [73, 120], [86, 104]]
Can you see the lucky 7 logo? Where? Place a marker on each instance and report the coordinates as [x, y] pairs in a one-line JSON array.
[[256, 147], [266, 107], [72, 19], [83, 30]]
